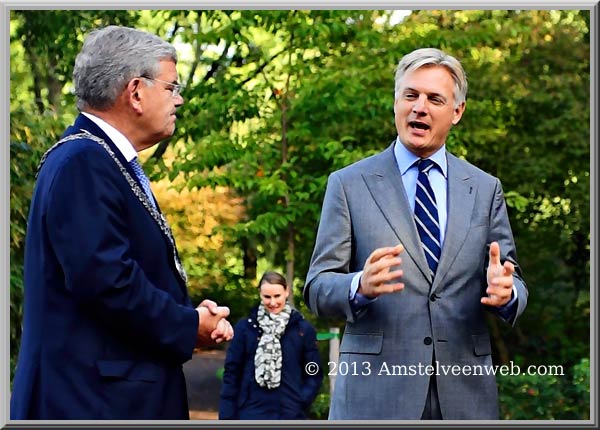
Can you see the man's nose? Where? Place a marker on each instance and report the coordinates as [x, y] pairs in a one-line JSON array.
[[179, 100], [420, 105]]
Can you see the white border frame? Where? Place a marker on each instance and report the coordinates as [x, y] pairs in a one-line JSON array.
[[7, 5]]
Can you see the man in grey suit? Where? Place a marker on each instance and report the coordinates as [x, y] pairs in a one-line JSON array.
[[411, 254]]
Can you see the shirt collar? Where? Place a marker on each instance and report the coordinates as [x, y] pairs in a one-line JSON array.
[[118, 138], [407, 159]]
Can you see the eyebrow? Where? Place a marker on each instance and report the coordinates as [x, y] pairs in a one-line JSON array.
[[409, 89]]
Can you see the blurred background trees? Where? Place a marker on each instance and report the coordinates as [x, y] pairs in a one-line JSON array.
[[277, 100]]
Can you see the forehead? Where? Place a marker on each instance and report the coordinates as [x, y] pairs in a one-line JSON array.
[[429, 79], [271, 289]]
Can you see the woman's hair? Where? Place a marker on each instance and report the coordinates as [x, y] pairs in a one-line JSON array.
[[273, 278], [110, 58]]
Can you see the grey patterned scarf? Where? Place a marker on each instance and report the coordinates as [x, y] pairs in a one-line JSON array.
[[267, 360]]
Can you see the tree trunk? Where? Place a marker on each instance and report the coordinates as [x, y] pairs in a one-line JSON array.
[[290, 263], [250, 259]]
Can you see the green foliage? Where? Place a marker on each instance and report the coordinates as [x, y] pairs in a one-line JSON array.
[[29, 140], [16, 312], [319, 410], [580, 389], [547, 397]]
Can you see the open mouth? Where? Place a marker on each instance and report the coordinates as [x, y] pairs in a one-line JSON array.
[[419, 125]]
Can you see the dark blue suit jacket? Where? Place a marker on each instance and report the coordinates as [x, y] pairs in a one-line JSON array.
[[107, 319]]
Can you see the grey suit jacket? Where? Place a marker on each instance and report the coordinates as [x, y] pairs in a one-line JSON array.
[[388, 343]]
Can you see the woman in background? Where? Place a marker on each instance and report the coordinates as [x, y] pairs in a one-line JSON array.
[[265, 375]]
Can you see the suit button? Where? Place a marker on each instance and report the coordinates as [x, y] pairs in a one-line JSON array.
[[427, 340], [433, 297]]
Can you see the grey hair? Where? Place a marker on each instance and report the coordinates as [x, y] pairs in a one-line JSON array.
[[426, 57], [110, 58]]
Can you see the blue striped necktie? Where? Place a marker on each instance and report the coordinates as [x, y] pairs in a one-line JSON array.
[[426, 215], [139, 172]]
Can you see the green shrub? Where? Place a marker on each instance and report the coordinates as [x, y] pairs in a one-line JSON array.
[[537, 397], [319, 410]]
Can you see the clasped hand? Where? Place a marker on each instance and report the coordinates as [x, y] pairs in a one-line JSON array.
[[213, 326]]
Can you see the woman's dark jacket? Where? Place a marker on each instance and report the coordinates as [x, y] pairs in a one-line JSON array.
[[243, 399]]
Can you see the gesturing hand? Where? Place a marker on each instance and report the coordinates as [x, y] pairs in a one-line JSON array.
[[499, 279], [377, 272]]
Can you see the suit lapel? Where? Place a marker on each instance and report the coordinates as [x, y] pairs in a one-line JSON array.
[[461, 198], [387, 189]]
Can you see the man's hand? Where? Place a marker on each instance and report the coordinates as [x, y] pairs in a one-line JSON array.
[[499, 279], [377, 272], [213, 327]]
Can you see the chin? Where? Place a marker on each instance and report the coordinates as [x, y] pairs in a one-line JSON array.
[[166, 135]]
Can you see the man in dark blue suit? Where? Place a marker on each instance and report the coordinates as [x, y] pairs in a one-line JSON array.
[[108, 321]]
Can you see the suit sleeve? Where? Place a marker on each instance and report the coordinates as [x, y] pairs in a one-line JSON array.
[[233, 374], [327, 287], [312, 383], [501, 232], [89, 234]]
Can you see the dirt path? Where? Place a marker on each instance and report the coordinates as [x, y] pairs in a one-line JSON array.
[[203, 384], [203, 415]]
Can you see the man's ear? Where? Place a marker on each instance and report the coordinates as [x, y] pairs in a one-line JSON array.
[[458, 112], [134, 93]]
